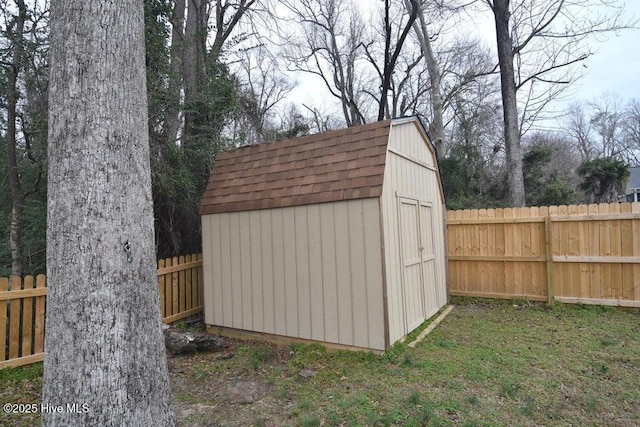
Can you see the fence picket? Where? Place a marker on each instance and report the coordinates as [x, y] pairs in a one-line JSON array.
[[161, 289], [595, 253], [27, 319], [3, 319], [23, 302], [175, 289], [182, 286], [615, 242], [38, 342], [201, 284], [605, 250], [187, 282], [14, 319], [635, 208]]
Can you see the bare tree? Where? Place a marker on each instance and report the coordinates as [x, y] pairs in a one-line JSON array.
[[607, 122], [578, 127], [603, 127], [435, 77], [173, 111], [194, 64], [262, 88], [329, 44], [104, 346], [506, 54], [539, 42], [457, 64], [17, 193], [22, 100], [392, 52], [632, 129], [193, 58]]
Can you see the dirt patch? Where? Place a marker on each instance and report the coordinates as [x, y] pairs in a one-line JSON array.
[[230, 388], [244, 392]]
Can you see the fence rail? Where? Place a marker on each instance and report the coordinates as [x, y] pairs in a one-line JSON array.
[[574, 254], [22, 306]]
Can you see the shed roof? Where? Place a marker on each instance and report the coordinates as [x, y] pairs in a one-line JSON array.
[[331, 166]]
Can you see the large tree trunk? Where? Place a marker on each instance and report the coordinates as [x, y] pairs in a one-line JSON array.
[[104, 345], [509, 104], [17, 193]]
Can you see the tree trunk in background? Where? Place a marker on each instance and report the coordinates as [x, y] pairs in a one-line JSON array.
[[104, 344], [390, 58], [436, 128], [17, 193], [509, 104], [175, 72], [195, 36]]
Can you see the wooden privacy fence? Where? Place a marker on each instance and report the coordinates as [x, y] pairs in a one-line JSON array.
[[574, 254], [22, 306]]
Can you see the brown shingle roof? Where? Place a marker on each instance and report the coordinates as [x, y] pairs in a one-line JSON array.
[[326, 167]]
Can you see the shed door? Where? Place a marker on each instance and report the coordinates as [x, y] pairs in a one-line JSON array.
[[428, 258], [412, 265], [418, 262]]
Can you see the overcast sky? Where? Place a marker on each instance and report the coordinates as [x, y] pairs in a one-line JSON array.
[[615, 67]]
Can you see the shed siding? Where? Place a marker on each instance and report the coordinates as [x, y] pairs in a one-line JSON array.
[[408, 178], [312, 272]]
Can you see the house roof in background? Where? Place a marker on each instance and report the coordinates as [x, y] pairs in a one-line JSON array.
[[331, 166], [634, 179]]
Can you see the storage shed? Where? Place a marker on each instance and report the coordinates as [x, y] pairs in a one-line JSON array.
[[336, 237]]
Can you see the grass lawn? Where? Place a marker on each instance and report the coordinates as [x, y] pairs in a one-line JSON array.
[[486, 364]]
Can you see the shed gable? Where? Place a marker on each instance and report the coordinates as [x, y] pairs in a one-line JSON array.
[[331, 166]]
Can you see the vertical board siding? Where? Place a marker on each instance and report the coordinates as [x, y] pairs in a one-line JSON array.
[[236, 269], [329, 272], [421, 183], [268, 292], [224, 266], [245, 261], [257, 296], [302, 272], [343, 272], [290, 272], [214, 311], [373, 274], [358, 274], [315, 272], [312, 272], [278, 271], [595, 253]]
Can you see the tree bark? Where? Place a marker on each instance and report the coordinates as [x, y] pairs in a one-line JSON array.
[[436, 129], [17, 193], [194, 65], [509, 103], [175, 71], [390, 59], [104, 345]]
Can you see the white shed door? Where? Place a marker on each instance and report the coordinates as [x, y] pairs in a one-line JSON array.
[[418, 258], [428, 258]]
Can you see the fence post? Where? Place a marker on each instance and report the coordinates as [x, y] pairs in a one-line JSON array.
[[549, 256]]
